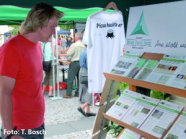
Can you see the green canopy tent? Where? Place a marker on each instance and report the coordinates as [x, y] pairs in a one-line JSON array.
[[82, 4], [15, 15], [78, 8]]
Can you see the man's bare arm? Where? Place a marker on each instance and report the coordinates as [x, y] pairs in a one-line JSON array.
[[6, 87]]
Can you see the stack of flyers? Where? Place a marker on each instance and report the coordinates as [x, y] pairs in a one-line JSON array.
[[138, 66], [178, 130], [122, 105], [165, 70], [146, 70], [161, 118], [140, 110], [124, 65]]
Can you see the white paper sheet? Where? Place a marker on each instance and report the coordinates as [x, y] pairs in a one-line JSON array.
[[124, 65], [166, 70], [178, 130], [140, 110], [128, 134], [161, 118], [122, 105]]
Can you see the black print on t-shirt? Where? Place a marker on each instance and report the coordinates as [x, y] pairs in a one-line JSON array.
[[110, 34], [100, 25]]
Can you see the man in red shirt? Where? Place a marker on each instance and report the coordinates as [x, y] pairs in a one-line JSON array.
[[21, 97]]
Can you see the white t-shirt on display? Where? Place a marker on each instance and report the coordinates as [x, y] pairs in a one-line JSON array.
[[105, 38]]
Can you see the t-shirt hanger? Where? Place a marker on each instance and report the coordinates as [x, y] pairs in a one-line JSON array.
[[111, 5]]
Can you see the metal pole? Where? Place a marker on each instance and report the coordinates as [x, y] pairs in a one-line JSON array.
[[57, 62], [56, 65], [53, 64]]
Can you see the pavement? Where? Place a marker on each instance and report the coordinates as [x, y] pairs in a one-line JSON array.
[[63, 120]]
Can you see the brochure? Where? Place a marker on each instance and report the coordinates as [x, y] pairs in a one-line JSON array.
[[124, 64], [165, 70], [123, 104], [161, 118], [178, 130], [179, 79], [134, 71], [128, 134], [140, 110], [146, 70]]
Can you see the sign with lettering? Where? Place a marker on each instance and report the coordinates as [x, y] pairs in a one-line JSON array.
[[159, 28]]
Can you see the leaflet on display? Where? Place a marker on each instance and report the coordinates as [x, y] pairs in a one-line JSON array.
[[161, 118], [132, 108], [150, 115], [124, 65], [168, 70], [146, 70], [179, 79], [123, 104], [128, 134], [138, 66], [140, 110], [178, 131]]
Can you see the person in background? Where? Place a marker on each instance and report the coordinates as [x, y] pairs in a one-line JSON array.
[[59, 41], [84, 97], [68, 40], [22, 104], [8, 37], [60, 50], [73, 55], [63, 42], [48, 56]]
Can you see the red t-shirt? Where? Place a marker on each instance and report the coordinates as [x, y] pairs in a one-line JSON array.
[[21, 59]]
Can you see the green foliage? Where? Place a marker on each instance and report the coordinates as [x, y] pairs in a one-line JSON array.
[[159, 95], [114, 129], [15, 29], [123, 86], [66, 26]]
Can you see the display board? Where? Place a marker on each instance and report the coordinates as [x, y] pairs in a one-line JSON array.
[[158, 28], [109, 93]]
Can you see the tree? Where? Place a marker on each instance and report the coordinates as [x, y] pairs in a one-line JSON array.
[[66, 26], [15, 29]]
